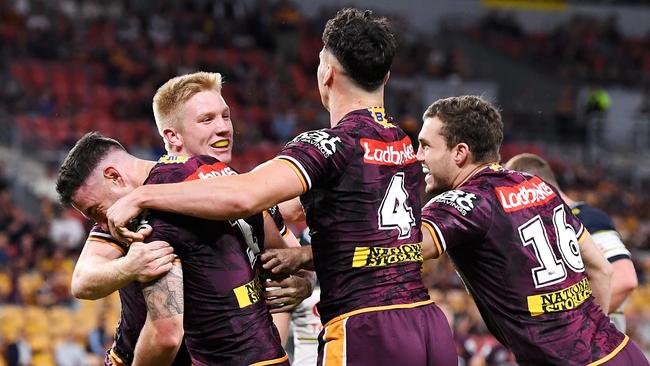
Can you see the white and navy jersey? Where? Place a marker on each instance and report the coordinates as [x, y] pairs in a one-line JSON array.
[[602, 230], [306, 325], [608, 240]]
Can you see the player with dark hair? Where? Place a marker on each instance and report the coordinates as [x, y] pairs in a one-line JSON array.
[[226, 320], [533, 270], [602, 230], [193, 118], [359, 184]]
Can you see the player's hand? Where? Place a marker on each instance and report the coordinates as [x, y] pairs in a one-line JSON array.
[[286, 261], [146, 262], [284, 294], [120, 214]]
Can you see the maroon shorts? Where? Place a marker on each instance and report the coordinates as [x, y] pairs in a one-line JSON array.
[[630, 355], [393, 335]]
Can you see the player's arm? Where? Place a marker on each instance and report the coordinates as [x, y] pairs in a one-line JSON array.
[[273, 239], [624, 281], [219, 198], [282, 321], [103, 267], [429, 248], [162, 333], [598, 269], [288, 260], [284, 294], [292, 210]]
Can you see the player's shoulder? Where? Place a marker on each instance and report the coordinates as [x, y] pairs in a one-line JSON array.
[[97, 234], [173, 169], [462, 201], [593, 218]]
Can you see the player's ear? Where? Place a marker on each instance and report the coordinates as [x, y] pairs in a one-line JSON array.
[[462, 154], [173, 138], [113, 175], [328, 78]]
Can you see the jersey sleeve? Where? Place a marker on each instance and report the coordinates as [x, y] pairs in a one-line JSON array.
[[456, 217], [97, 234], [276, 215], [318, 156], [603, 232]]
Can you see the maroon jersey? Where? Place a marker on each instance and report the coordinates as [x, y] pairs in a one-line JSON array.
[[361, 199], [226, 321], [516, 246], [132, 314]]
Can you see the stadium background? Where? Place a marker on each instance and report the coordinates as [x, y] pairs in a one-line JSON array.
[[572, 79]]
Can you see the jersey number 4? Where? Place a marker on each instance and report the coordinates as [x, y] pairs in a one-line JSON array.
[[552, 269], [394, 212]]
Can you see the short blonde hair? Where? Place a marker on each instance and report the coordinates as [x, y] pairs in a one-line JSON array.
[[169, 98]]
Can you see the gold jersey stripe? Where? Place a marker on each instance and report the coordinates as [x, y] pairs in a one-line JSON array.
[[378, 308], [434, 236], [612, 354], [297, 171], [272, 362], [104, 241]]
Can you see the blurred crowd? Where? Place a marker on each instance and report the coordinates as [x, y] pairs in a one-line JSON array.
[[71, 66], [585, 47]]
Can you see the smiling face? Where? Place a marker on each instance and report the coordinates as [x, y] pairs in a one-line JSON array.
[[436, 158], [206, 128]]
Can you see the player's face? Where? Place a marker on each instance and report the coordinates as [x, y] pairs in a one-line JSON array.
[[206, 126], [436, 158], [96, 195]]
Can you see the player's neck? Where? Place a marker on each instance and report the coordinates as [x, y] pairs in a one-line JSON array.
[[468, 172], [141, 169], [566, 198], [343, 103]]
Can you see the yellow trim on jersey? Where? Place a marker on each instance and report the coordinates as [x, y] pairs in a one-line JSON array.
[[249, 293], [298, 173], [115, 359], [104, 241], [434, 236], [265, 213], [612, 354], [271, 362], [287, 232], [169, 159], [378, 308], [379, 116], [583, 235], [334, 350]]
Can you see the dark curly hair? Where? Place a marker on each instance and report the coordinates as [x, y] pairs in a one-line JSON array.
[[363, 44], [84, 157], [471, 120]]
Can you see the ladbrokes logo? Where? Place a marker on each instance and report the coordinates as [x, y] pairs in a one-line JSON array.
[[530, 193], [324, 141], [388, 153], [211, 171]]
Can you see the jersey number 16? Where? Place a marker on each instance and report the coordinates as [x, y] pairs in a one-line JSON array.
[[552, 269]]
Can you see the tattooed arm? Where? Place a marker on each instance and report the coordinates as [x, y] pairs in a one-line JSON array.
[[162, 333]]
